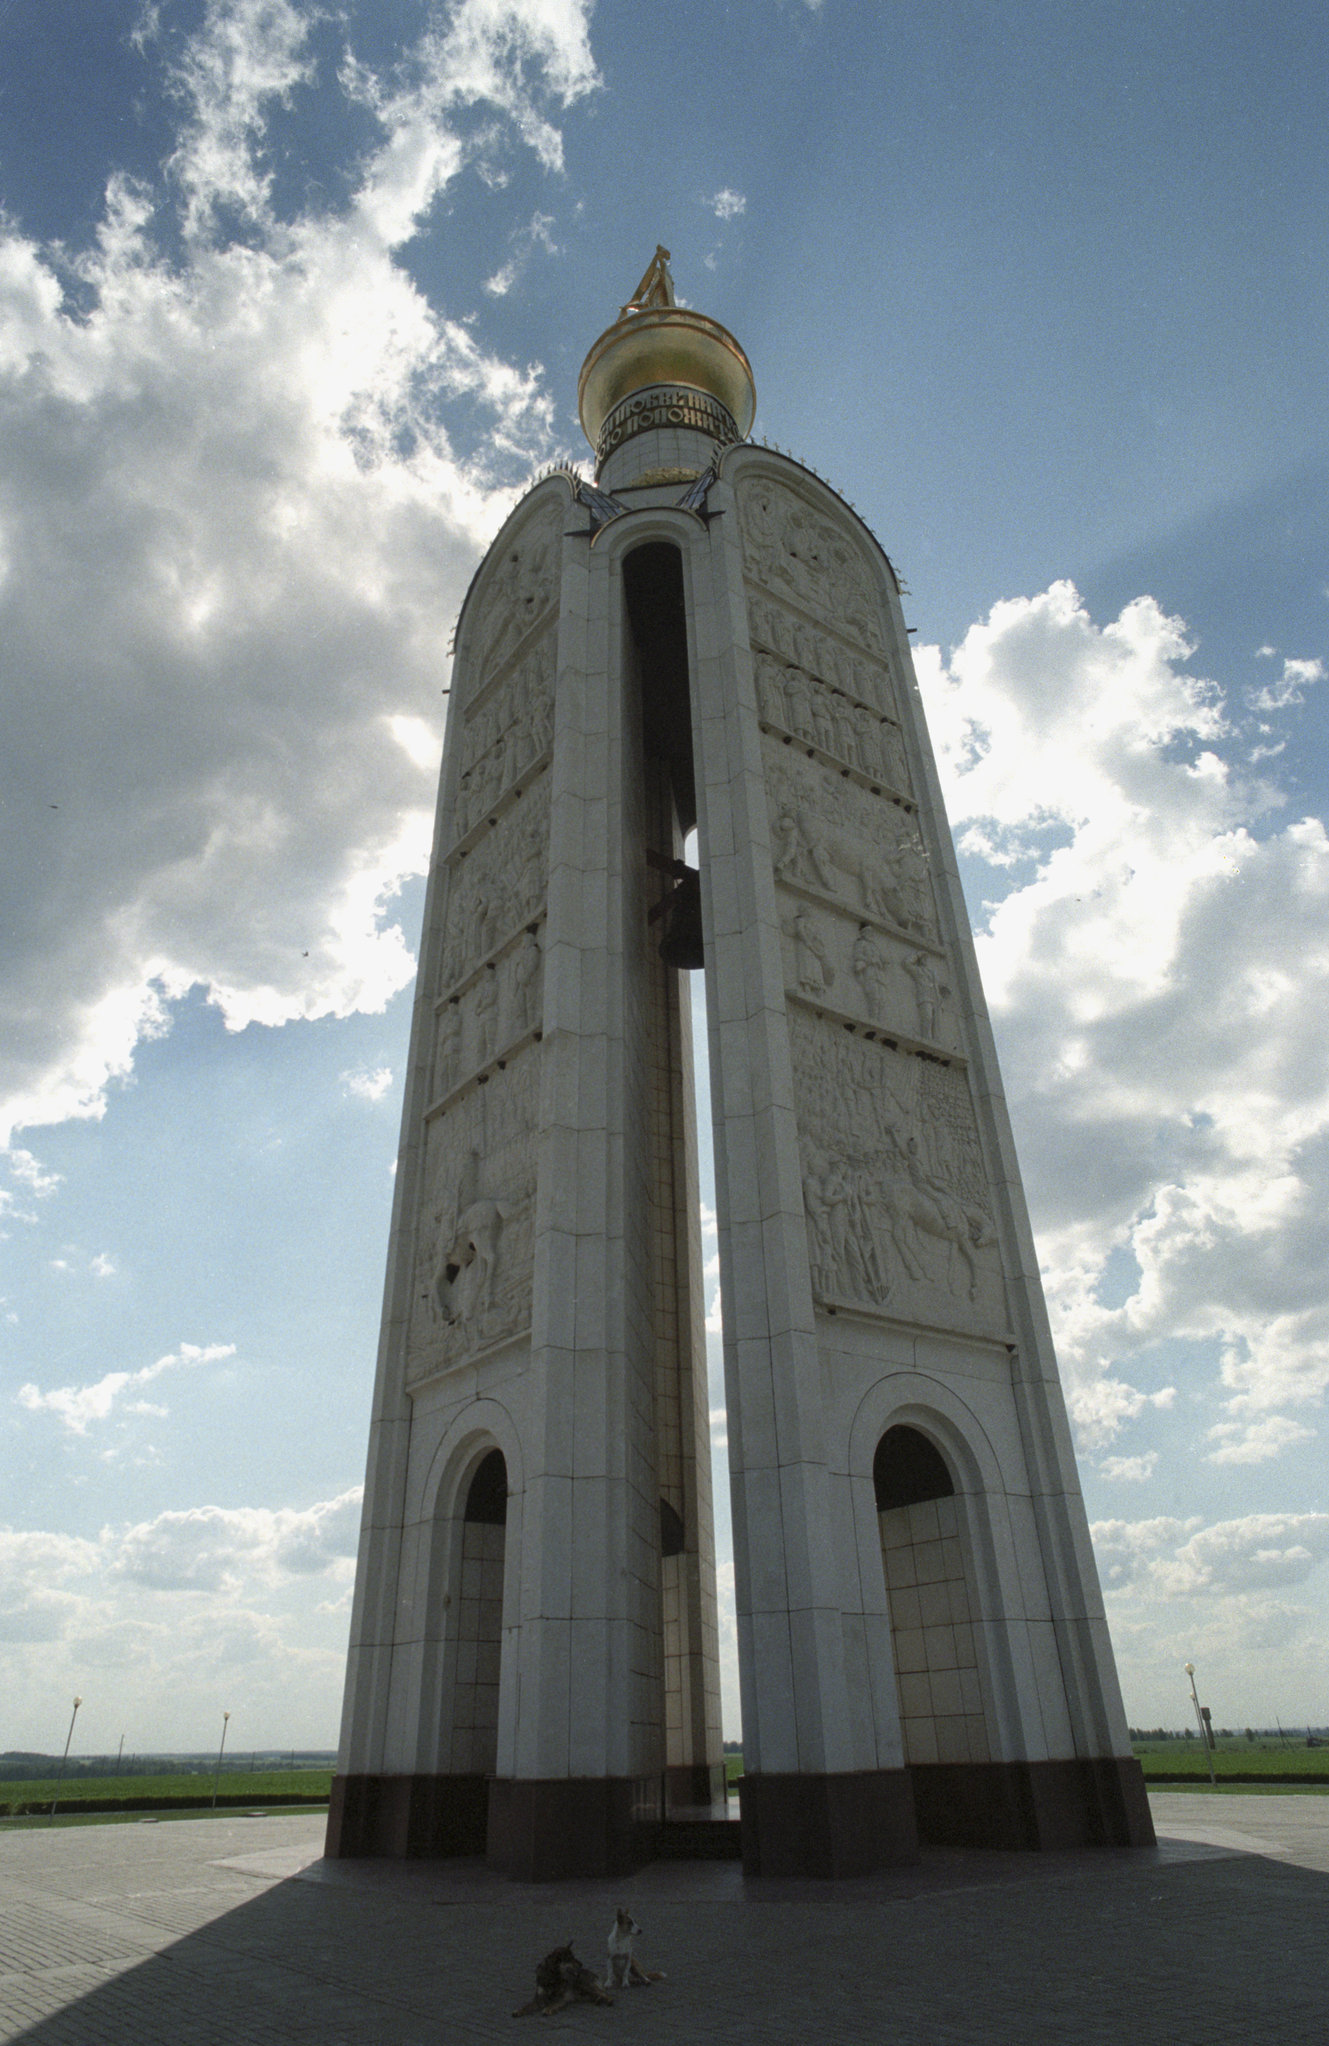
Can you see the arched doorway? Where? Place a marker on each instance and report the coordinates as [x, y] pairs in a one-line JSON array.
[[933, 1604], [479, 1628]]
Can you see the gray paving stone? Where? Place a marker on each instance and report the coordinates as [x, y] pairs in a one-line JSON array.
[[233, 1933]]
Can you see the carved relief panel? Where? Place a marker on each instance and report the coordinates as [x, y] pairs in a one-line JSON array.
[[835, 839], [898, 1213], [496, 886], [473, 1252], [522, 587], [509, 727], [798, 555], [869, 974], [825, 695]]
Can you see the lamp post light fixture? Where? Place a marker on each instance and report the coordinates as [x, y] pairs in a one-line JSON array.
[[220, 1752], [60, 1774], [1204, 1730]]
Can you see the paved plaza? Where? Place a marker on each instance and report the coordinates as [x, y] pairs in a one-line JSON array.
[[233, 1932]]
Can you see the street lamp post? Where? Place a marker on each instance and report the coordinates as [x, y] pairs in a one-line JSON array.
[[1204, 1731], [220, 1752], [60, 1774]]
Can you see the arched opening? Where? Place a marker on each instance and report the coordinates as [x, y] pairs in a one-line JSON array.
[[930, 1588], [479, 1625], [659, 714]]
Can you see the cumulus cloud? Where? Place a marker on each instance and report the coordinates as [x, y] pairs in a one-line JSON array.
[[727, 205], [78, 1406], [216, 1549], [1156, 956], [1133, 1470], [246, 471], [157, 1623], [1183, 1559]]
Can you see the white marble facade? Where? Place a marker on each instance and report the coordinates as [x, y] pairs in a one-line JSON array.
[[877, 1267]]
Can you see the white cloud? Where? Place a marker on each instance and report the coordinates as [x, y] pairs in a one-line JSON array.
[[1255, 1441], [236, 528], [31, 1182], [78, 1406], [1157, 963], [103, 1266], [366, 1086], [1297, 677], [1181, 1558], [215, 1548], [536, 234], [1133, 1470], [159, 1624], [727, 205]]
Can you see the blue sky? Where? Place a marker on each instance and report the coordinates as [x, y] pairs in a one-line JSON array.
[[291, 302]]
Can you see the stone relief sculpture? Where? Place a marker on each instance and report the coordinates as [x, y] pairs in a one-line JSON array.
[[798, 644], [474, 1249], [793, 551], [872, 971], [525, 986], [507, 732], [496, 1010], [929, 994], [521, 589], [463, 1283], [811, 954], [835, 838], [447, 1048], [892, 1197], [498, 886], [484, 1011]]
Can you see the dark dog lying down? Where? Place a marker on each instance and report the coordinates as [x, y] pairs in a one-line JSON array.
[[559, 1979]]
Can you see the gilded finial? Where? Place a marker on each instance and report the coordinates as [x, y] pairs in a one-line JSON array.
[[656, 288]]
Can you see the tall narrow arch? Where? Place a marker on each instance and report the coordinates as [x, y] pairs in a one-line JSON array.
[[932, 1593], [479, 1620]]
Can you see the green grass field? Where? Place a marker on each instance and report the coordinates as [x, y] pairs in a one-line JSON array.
[[1233, 1760], [165, 1793]]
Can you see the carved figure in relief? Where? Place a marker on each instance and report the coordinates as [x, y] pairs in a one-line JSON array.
[[799, 852], [872, 970], [843, 716], [894, 767], [486, 1012], [770, 687], [929, 994], [463, 1282], [845, 1259], [448, 1047], [918, 1204], [823, 725], [525, 982], [519, 592], [811, 954], [798, 697]]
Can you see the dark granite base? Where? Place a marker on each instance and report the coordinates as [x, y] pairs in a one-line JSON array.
[[1098, 1802], [403, 1816], [545, 1831], [827, 1825], [693, 1784]]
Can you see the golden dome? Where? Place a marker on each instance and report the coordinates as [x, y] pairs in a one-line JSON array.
[[655, 341]]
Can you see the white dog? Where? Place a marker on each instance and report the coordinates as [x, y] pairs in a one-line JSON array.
[[624, 1968]]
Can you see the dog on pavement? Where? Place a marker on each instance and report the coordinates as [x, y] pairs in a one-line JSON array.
[[624, 1967], [559, 1979]]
